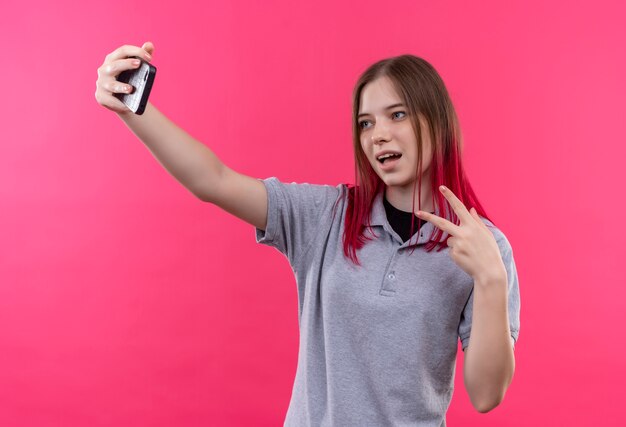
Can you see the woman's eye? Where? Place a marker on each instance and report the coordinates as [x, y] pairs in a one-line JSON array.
[[399, 112], [362, 123]]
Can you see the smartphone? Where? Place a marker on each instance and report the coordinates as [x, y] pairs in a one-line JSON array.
[[141, 79]]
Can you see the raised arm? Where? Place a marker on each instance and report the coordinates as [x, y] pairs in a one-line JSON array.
[[191, 162]]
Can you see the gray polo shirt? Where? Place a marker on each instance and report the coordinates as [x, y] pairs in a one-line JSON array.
[[378, 343]]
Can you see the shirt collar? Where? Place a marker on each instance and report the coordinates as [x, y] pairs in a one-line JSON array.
[[379, 218]]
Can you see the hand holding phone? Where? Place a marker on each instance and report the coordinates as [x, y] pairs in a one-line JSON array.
[[141, 79]]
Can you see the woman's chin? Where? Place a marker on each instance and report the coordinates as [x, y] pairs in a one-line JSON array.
[[396, 180], [393, 181]]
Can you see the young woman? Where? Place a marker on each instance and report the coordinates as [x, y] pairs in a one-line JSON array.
[[385, 289]]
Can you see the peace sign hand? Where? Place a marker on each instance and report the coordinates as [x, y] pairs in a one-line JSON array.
[[472, 245]]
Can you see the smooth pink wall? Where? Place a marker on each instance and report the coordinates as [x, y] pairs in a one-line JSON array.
[[125, 301]]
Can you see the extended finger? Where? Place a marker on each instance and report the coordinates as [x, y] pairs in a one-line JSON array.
[[439, 222], [457, 205], [478, 218]]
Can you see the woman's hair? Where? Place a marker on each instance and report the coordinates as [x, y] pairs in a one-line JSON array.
[[423, 92]]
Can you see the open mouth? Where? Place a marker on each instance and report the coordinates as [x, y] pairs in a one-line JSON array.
[[392, 157]]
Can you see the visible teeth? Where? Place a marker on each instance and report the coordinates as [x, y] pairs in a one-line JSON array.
[[384, 156]]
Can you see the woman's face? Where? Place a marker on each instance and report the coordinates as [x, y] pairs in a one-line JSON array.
[[385, 125]]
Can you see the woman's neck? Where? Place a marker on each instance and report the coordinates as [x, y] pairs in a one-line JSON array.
[[402, 198]]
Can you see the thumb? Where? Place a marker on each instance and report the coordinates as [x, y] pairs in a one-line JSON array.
[[149, 47]]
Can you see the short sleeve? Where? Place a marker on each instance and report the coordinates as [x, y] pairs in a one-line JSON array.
[[465, 325], [296, 212]]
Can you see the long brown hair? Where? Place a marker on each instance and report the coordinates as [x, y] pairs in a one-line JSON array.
[[424, 94]]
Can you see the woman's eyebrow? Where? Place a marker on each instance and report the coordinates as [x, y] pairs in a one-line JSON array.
[[386, 108]]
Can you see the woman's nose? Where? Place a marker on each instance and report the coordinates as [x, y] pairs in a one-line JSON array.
[[380, 133]]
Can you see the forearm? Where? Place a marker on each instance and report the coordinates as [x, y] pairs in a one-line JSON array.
[[192, 163], [489, 359]]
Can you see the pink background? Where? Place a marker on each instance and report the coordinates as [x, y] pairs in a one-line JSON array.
[[126, 301]]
